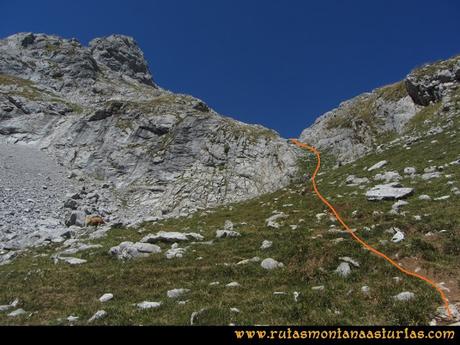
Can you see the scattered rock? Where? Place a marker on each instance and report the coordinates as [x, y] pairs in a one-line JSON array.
[[404, 296], [410, 171], [227, 233], [296, 296], [424, 197], [352, 180], [388, 176], [431, 175], [349, 260], [175, 293], [105, 297], [271, 264], [444, 197], [443, 314], [77, 218], [318, 288], [247, 261], [70, 260], [233, 284], [129, 250], [343, 270], [377, 165], [266, 244], [148, 305], [175, 252], [195, 314], [398, 236], [388, 192], [271, 221], [398, 204], [365, 289], [72, 318], [172, 236], [17, 312], [100, 314]]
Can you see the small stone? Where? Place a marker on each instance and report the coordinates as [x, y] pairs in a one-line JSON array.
[[175, 293], [148, 305], [266, 244], [343, 270], [365, 289], [410, 171], [98, 315], [296, 296], [247, 261], [377, 165], [349, 260], [404, 296], [424, 197], [105, 297], [233, 284], [227, 233], [195, 315], [17, 312], [72, 318], [445, 197], [318, 288], [271, 264], [398, 236], [72, 261]]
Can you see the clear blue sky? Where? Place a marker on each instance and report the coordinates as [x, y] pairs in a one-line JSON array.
[[277, 63]]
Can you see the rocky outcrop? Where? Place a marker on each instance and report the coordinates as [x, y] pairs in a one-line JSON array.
[[353, 129], [122, 55], [362, 124], [432, 82], [97, 111]]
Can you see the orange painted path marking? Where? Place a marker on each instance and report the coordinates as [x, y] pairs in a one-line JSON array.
[[356, 237]]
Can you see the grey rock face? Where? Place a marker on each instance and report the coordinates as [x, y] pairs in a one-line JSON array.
[[350, 131], [357, 126], [153, 153]]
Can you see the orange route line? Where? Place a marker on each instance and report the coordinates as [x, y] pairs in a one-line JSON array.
[[356, 237]]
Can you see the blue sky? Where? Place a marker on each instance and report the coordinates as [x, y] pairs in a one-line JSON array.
[[277, 63]]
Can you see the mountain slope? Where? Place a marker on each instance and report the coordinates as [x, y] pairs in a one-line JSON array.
[[360, 125], [97, 111], [304, 238]]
